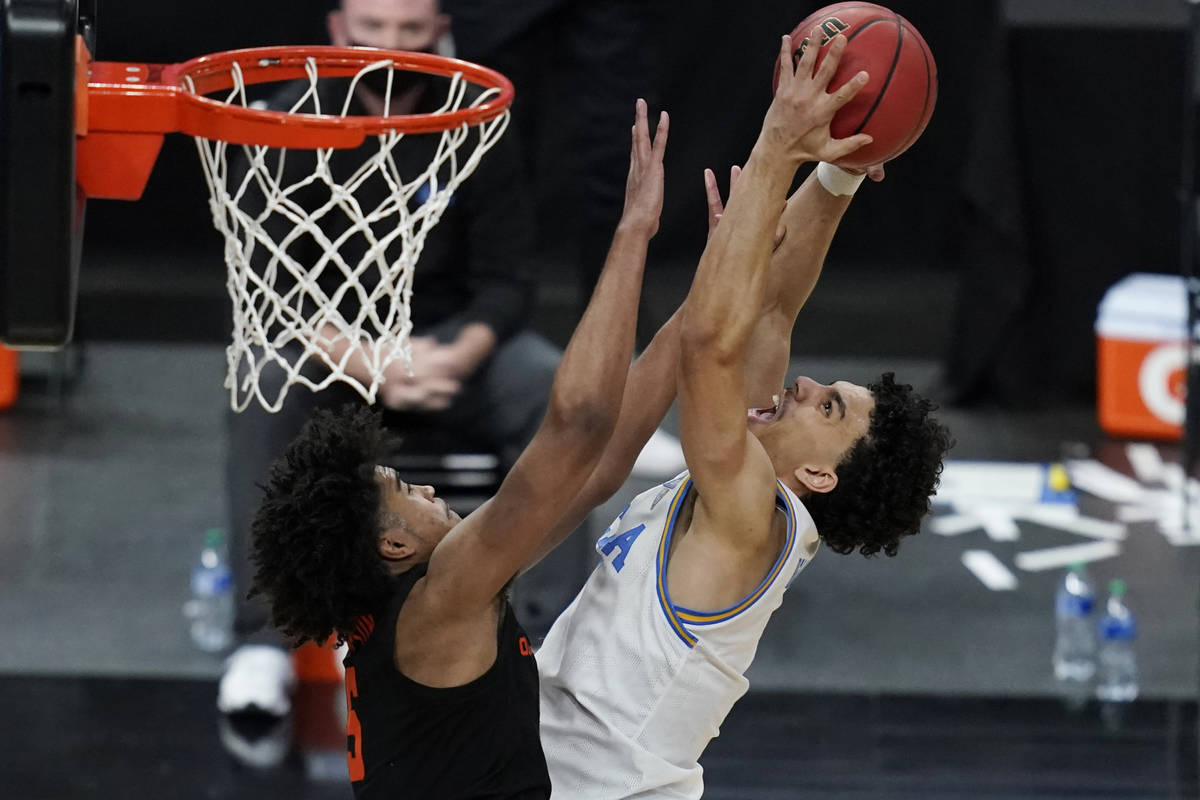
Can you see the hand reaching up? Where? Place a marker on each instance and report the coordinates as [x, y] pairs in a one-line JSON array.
[[644, 186], [799, 117]]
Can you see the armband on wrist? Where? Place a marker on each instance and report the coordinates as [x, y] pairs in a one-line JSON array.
[[838, 181]]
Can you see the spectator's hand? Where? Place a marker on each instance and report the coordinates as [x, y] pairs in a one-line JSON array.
[[437, 373], [716, 208], [440, 360], [799, 117], [644, 186]]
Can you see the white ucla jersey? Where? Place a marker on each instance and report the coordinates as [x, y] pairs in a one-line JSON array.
[[634, 686]]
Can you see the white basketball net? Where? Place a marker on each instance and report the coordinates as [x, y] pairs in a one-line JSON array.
[[282, 318]]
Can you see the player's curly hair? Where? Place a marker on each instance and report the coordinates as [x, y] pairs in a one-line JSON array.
[[314, 538], [886, 478]]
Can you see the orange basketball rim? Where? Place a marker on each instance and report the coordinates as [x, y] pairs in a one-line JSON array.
[[124, 109]]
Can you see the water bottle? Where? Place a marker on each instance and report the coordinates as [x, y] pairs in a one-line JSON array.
[[1118, 680], [211, 606], [1075, 644]]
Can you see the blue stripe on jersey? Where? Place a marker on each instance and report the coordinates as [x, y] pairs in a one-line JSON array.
[[710, 618], [664, 600]]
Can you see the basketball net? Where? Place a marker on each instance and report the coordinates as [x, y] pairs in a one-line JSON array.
[[283, 320]]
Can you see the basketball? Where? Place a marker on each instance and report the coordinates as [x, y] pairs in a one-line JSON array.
[[897, 102]]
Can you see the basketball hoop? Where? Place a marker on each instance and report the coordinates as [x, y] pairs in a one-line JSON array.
[[288, 314]]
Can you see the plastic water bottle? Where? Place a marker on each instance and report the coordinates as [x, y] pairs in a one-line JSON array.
[[1075, 644], [1118, 680], [211, 606]]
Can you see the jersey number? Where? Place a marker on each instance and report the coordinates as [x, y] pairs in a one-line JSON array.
[[623, 542], [354, 754]]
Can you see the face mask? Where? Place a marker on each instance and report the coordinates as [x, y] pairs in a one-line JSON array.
[[403, 80]]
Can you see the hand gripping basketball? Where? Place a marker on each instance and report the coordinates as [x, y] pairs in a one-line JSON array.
[[899, 101], [800, 115]]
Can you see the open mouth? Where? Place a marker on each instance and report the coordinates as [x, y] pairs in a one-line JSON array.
[[768, 414]]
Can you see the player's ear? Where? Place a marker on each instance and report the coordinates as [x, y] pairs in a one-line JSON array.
[[335, 24], [817, 478], [395, 545], [442, 25]]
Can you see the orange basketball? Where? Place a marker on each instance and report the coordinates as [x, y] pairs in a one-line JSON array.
[[897, 102]]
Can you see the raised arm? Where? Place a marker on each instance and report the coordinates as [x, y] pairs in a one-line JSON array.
[[649, 392], [728, 294], [650, 388], [809, 221], [483, 552]]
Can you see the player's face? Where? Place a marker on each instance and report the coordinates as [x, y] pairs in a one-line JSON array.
[[814, 424], [427, 518], [390, 24]]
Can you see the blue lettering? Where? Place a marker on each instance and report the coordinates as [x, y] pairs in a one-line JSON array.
[[623, 542]]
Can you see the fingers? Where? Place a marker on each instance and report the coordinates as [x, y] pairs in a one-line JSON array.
[[840, 148], [712, 194], [643, 148], [808, 59], [829, 65], [660, 135], [430, 393], [641, 133], [440, 391], [875, 172], [787, 67], [437, 402], [845, 93]]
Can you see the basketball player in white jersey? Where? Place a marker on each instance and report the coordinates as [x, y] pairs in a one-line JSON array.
[[639, 672]]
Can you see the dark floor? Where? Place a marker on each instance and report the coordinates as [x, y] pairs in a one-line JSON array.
[[125, 738]]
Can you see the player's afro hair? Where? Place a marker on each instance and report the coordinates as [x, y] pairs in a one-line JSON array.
[[886, 478], [314, 539]]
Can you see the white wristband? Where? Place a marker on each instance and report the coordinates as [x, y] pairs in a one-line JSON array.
[[836, 180]]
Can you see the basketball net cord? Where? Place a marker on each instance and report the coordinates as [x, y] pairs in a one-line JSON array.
[[274, 295]]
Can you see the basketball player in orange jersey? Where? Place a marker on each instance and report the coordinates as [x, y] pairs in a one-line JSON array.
[[641, 669], [441, 682]]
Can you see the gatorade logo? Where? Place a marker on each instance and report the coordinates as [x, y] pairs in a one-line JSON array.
[[1162, 380]]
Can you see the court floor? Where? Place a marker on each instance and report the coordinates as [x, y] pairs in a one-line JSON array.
[[903, 677], [122, 737]]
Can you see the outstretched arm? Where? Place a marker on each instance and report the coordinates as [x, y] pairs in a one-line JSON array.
[[649, 392], [806, 229], [483, 552], [728, 465]]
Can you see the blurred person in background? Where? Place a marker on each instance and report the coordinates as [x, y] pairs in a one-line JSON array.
[[479, 375]]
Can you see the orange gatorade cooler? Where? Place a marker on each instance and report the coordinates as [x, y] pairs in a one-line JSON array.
[[1141, 357], [9, 376]]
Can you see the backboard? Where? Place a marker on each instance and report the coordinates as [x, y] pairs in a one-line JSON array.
[[41, 211]]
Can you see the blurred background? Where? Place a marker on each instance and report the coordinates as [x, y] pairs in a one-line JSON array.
[[1051, 170]]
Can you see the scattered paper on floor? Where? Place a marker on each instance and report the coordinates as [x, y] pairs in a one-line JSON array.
[[990, 571]]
